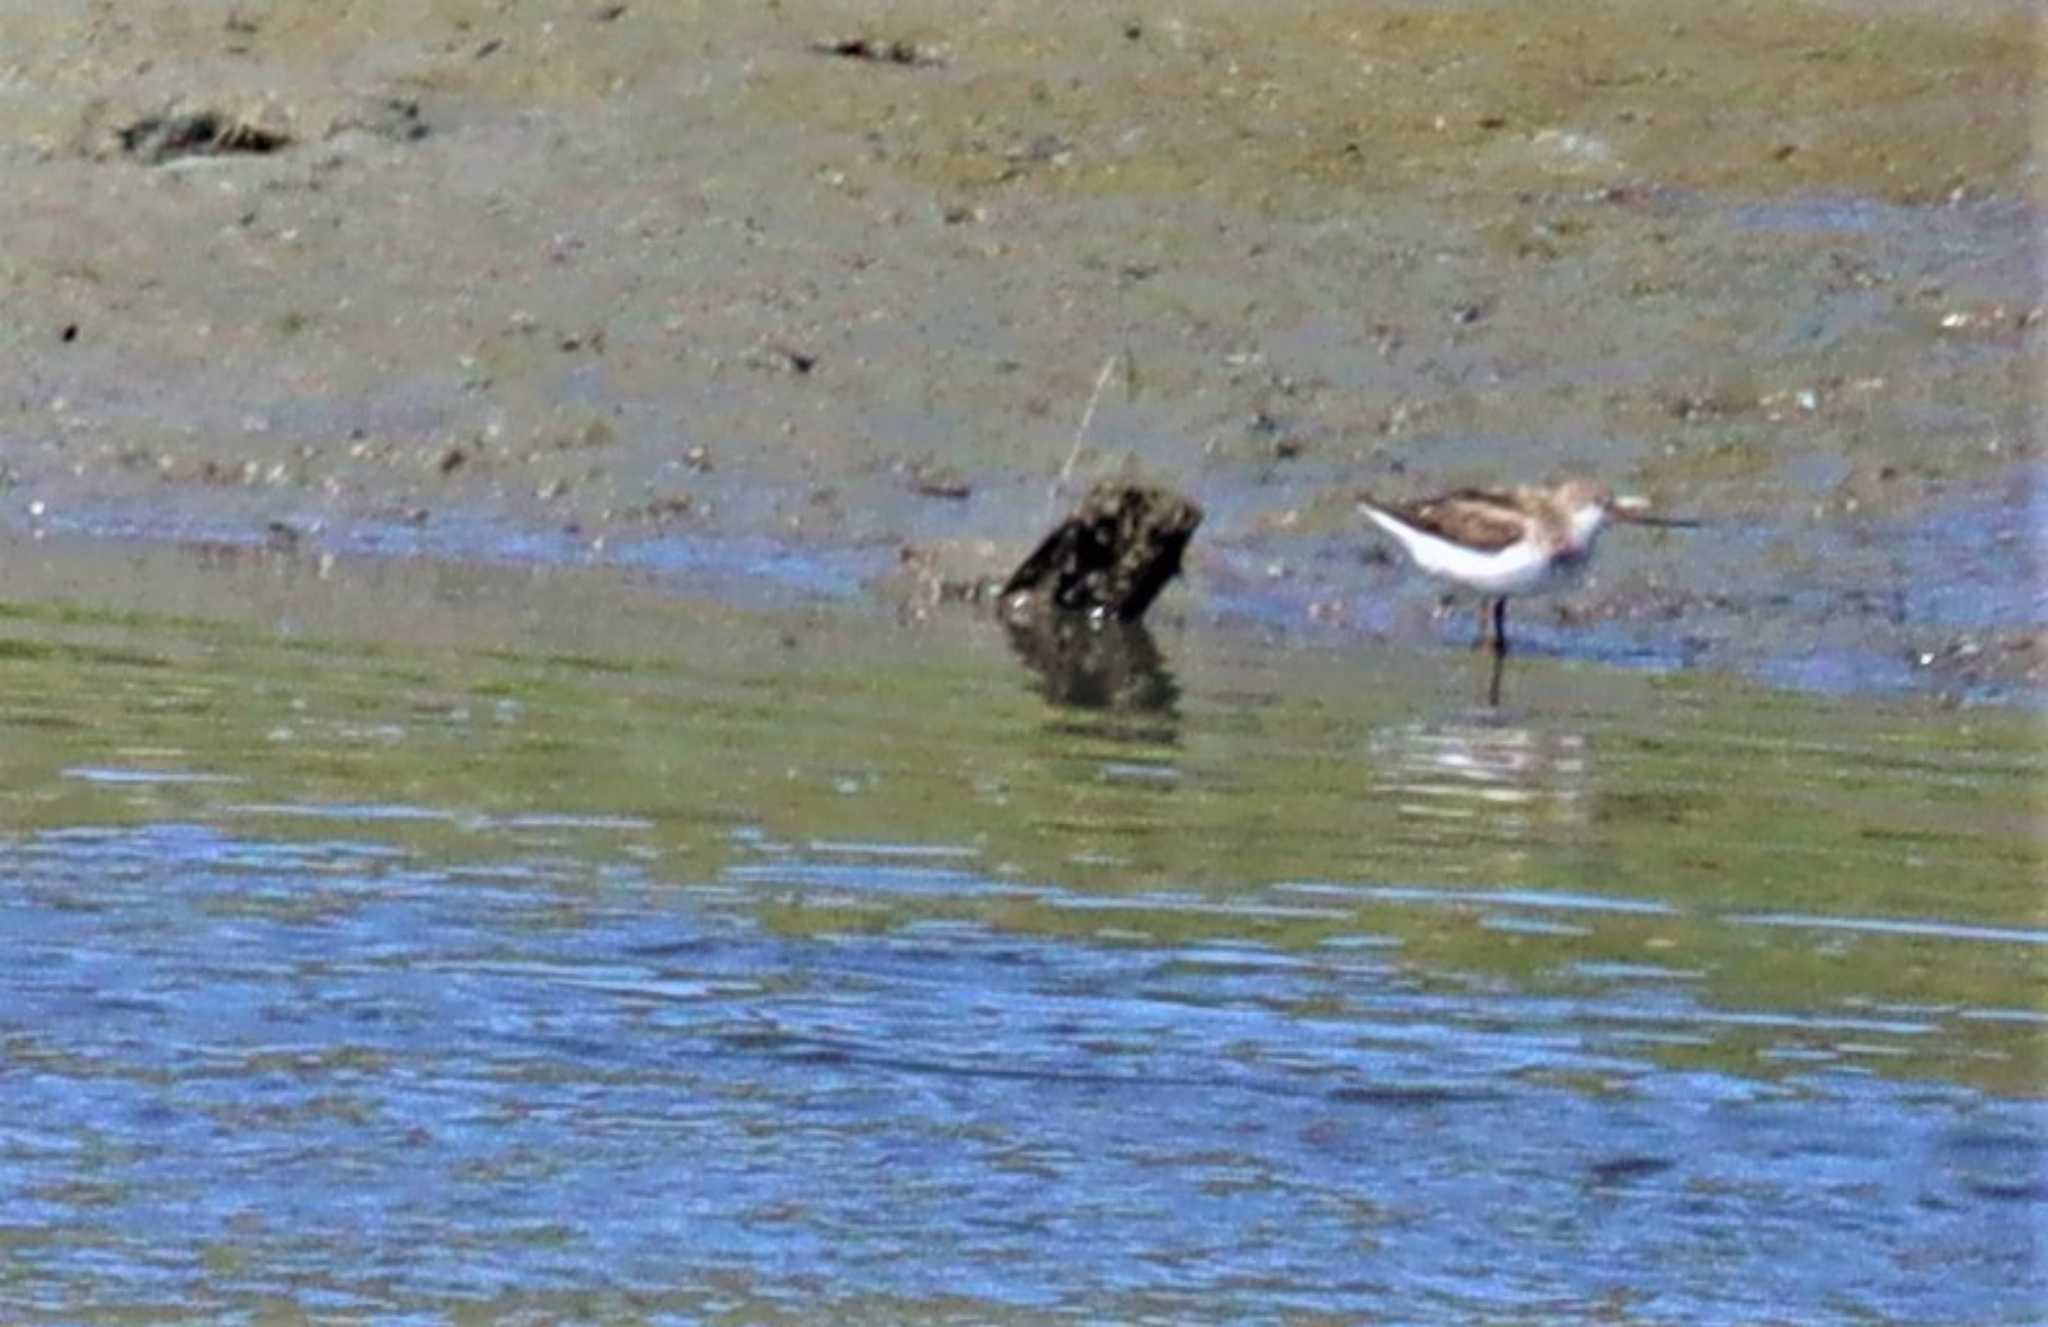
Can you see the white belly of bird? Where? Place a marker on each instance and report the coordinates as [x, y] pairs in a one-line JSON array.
[[1523, 567]]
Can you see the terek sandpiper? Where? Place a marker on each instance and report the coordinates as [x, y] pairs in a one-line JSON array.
[[1508, 542]]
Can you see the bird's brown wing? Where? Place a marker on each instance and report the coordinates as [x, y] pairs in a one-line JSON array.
[[1476, 518]]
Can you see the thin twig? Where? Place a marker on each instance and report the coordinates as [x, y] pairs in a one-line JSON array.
[[1080, 434]]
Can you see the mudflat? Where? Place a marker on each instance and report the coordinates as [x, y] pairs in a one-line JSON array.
[[829, 288]]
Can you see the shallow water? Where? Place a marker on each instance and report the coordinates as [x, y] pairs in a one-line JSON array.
[[1892, 606], [439, 943]]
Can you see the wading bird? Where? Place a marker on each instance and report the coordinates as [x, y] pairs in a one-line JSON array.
[[1507, 542]]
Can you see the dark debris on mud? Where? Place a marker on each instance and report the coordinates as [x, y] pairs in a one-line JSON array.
[[395, 118], [156, 139], [1110, 558], [873, 50]]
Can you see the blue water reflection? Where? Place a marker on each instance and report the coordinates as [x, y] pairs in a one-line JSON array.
[[238, 1070]]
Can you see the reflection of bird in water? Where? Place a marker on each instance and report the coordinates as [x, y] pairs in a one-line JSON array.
[[1508, 542], [1505, 776], [1089, 663]]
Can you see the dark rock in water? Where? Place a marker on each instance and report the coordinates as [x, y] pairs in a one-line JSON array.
[[160, 138], [1111, 558]]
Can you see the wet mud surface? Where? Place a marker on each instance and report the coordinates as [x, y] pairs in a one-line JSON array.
[[812, 299]]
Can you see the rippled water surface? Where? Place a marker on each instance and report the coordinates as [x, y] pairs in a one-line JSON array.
[[469, 946]]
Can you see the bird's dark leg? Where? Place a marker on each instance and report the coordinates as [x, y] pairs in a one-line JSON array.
[[1500, 650], [1479, 641]]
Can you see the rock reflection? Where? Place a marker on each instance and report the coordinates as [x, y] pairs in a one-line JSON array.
[[1085, 663]]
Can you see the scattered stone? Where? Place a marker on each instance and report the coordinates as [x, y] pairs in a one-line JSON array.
[[1991, 319], [1111, 558], [1043, 150], [394, 118], [930, 585], [657, 511], [1568, 151], [1328, 611], [1777, 405], [874, 50], [157, 139], [784, 358], [609, 13], [935, 481], [1988, 663]]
